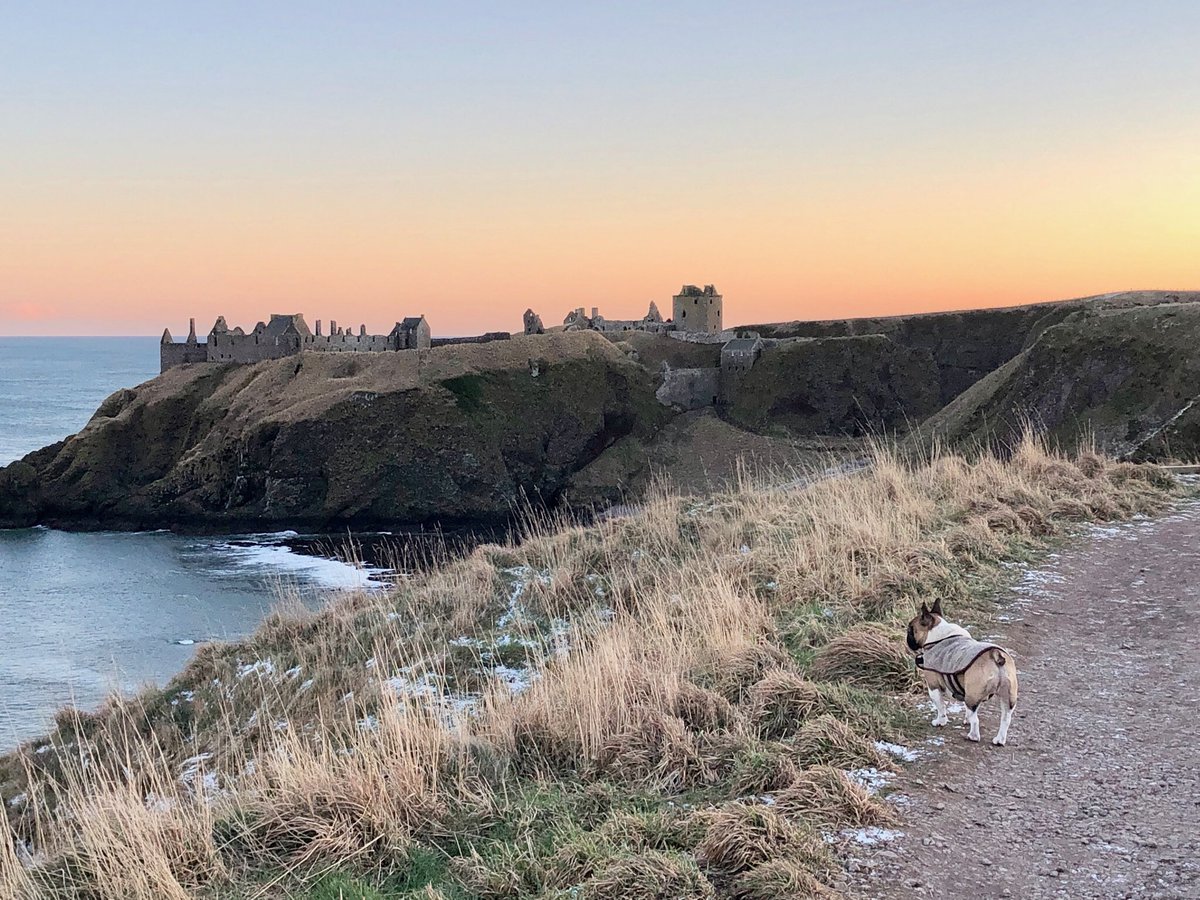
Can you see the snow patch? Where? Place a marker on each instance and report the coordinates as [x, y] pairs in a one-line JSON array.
[[907, 754], [867, 837], [870, 779], [261, 667]]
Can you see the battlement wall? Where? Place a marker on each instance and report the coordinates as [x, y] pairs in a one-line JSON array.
[[349, 343]]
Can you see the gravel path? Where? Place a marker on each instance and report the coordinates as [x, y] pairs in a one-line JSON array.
[[1097, 794]]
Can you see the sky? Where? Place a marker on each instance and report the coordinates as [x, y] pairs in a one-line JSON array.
[[365, 161]]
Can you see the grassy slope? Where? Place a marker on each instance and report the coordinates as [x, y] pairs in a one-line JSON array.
[[1113, 376], [593, 712]]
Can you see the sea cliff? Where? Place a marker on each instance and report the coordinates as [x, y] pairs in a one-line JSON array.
[[454, 434]]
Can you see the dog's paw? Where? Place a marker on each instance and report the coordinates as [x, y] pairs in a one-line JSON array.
[[998, 742], [971, 737], [938, 723]]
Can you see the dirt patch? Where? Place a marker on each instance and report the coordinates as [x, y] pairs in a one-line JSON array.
[[1097, 793]]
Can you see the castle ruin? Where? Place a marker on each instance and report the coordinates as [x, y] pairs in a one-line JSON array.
[[694, 311], [698, 310], [287, 335]]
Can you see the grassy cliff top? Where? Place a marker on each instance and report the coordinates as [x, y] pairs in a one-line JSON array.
[[299, 387], [1116, 299]]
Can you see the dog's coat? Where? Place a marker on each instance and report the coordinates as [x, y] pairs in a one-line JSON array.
[[951, 655], [952, 662]]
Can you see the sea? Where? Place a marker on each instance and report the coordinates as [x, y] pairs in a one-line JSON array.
[[86, 614]]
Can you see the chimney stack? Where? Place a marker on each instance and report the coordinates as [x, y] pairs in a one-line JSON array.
[[333, 328], [595, 312], [318, 327], [362, 330], [191, 331]]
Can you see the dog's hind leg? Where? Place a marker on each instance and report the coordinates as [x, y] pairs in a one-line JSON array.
[[1006, 713], [939, 704], [1007, 698], [973, 721]]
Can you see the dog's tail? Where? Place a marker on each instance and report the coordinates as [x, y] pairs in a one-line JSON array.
[[1007, 689]]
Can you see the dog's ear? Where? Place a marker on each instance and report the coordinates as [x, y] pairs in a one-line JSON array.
[[924, 609], [937, 607]]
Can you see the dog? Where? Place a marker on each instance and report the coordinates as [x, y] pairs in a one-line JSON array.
[[952, 662]]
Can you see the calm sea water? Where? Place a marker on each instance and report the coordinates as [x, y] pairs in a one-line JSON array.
[[82, 614]]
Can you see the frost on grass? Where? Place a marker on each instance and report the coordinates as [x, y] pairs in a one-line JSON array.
[[260, 667], [193, 777], [870, 779]]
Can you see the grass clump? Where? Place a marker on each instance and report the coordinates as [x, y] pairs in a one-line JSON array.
[[826, 740], [867, 656], [742, 836], [653, 875], [824, 794], [779, 702], [781, 879]]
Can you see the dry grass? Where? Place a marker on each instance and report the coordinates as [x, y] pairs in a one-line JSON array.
[[824, 794], [742, 836], [543, 715], [781, 879], [868, 656]]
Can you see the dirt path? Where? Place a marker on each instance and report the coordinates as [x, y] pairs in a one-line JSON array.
[[1097, 794]]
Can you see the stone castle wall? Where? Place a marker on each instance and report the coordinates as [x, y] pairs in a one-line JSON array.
[[349, 343], [180, 354], [250, 348]]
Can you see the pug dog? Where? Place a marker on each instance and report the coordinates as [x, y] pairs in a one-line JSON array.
[[952, 662]]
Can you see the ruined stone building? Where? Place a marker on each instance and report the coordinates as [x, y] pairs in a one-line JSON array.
[[739, 354], [577, 320], [287, 335], [694, 309]]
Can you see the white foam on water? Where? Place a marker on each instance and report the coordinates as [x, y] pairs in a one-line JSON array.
[[264, 553]]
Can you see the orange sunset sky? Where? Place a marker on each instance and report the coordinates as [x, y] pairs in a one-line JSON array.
[[377, 160]]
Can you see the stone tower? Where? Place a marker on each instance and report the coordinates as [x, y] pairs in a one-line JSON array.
[[698, 310]]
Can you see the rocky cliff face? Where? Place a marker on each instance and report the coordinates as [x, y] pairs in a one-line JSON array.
[[1126, 379], [835, 386], [325, 441]]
